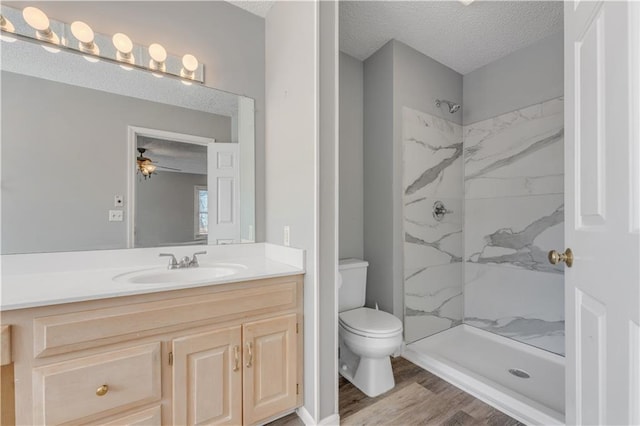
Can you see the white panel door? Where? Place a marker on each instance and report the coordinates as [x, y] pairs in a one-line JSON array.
[[224, 193], [602, 215]]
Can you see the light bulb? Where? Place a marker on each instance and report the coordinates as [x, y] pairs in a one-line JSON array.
[[158, 56], [7, 26], [123, 43], [36, 18], [190, 63], [82, 32], [157, 53], [124, 47], [85, 36]]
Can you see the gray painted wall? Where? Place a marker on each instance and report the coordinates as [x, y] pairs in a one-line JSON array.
[[165, 208], [78, 152], [419, 80], [395, 76], [378, 176], [328, 151], [528, 76], [351, 157], [291, 157], [226, 39], [301, 182]]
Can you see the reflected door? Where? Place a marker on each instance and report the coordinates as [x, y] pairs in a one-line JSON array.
[[224, 193]]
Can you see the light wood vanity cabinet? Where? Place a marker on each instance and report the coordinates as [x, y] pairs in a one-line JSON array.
[[238, 373], [224, 354]]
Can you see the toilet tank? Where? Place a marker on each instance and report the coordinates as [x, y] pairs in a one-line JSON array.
[[353, 287]]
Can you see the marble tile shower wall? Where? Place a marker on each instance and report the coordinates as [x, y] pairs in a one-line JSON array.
[[433, 250], [513, 183]]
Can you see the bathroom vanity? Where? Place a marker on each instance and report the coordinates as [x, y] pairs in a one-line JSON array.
[[227, 351]]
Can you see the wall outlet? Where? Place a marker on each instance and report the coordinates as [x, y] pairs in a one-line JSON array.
[[116, 215], [287, 235], [118, 201]]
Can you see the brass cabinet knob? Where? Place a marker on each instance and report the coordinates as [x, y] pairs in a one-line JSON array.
[[102, 390], [566, 257]]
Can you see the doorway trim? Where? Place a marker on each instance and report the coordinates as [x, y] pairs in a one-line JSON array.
[[132, 136]]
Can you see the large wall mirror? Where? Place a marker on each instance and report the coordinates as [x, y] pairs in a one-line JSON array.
[[96, 156]]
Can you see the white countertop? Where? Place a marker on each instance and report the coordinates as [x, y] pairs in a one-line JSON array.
[[42, 279]]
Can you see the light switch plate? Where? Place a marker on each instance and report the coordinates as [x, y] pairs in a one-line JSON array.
[[118, 201], [116, 215]]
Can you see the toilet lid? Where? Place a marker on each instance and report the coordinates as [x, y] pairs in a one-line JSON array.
[[370, 321]]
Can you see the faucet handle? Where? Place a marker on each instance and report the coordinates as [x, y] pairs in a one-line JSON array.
[[173, 263], [194, 260]]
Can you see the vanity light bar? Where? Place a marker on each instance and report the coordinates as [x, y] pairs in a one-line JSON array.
[[32, 24]]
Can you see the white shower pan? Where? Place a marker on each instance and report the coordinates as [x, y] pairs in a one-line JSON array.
[[478, 362]]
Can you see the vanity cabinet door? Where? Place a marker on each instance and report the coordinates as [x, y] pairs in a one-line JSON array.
[[270, 367], [207, 378]]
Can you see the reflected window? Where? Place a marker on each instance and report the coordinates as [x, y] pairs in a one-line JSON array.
[[201, 211]]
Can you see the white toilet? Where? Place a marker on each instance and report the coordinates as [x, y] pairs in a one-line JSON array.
[[368, 337]]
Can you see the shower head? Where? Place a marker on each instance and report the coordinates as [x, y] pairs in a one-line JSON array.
[[453, 107]]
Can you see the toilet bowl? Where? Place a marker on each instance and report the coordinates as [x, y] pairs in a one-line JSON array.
[[367, 339]]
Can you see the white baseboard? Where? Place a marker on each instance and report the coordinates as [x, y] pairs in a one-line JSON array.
[[305, 416], [308, 420], [332, 420]]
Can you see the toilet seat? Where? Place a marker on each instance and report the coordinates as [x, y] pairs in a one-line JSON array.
[[369, 322]]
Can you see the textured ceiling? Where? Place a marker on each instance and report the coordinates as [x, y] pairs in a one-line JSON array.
[[257, 7], [462, 37]]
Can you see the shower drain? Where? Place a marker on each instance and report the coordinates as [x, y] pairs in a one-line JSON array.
[[519, 373]]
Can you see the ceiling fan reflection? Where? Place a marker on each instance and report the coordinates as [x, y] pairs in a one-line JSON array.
[[146, 166]]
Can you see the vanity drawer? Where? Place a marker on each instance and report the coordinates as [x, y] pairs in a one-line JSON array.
[[73, 390], [149, 417], [74, 331]]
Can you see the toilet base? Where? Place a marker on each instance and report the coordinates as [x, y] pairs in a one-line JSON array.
[[373, 376]]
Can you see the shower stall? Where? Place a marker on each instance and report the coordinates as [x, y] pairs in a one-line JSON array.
[[482, 205], [463, 198]]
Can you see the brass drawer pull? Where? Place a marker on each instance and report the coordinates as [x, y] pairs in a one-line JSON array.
[[236, 356], [250, 355], [102, 390]]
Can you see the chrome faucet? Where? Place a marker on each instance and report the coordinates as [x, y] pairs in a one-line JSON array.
[[193, 263], [185, 262]]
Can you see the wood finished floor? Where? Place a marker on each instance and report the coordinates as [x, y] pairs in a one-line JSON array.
[[419, 398]]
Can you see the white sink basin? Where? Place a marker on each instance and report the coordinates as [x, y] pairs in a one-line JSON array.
[[162, 275]]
